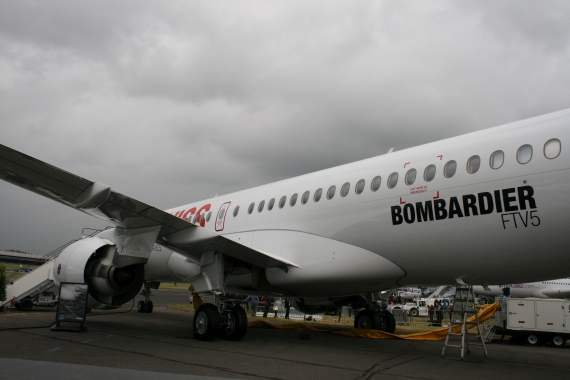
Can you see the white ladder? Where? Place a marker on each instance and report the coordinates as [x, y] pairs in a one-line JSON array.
[[463, 308]]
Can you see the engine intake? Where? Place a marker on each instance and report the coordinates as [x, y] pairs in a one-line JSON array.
[[92, 261]]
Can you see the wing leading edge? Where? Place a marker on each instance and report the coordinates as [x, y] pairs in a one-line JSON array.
[[102, 202]]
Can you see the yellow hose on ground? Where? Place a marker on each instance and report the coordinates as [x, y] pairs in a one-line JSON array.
[[439, 334]]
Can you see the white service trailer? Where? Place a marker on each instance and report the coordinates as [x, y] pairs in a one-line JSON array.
[[534, 321]]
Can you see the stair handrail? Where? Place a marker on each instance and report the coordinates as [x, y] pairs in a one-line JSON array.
[[55, 253]]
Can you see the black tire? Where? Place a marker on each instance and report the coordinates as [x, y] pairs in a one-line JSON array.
[[414, 312], [140, 306], [148, 306], [557, 341], [387, 323], [367, 320], [206, 322], [532, 340], [25, 304], [235, 324]]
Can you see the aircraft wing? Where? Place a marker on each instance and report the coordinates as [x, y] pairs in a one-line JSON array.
[[101, 201]]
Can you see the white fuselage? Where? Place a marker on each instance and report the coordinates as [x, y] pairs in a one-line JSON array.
[[543, 289], [378, 239]]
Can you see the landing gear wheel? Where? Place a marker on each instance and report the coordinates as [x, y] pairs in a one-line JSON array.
[[140, 306], [532, 340], [148, 306], [366, 320], [557, 341], [235, 324], [25, 304], [387, 323], [206, 322]]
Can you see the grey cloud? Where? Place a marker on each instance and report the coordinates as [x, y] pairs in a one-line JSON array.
[[173, 102]]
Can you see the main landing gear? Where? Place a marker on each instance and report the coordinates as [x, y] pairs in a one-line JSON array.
[[227, 322], [375, 317], [146, 306]]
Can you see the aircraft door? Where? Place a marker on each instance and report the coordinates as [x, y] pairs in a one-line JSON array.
[[221, 217]]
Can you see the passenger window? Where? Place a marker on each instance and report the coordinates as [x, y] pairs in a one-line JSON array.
[[429, 173], [450, 169], [282, 201], [222, 213], [318, 194], [210, 215], [344, 190], [375, 185], [524, 154], [330, 193], [552, 149], [195, 218], [305, 197], [236, 210], [270, 204], [411, 176], [260, 207], [497, 159], [392, 180], [250, 209], [473, 164], [359, 188], [293, 200]]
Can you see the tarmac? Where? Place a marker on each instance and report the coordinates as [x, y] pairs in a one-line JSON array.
[[130, 345]]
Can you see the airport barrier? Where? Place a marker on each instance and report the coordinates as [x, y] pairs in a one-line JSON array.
[[281, 312], [402, 317], [487, 313]]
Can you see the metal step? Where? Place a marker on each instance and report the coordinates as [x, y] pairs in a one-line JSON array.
[[464, 298], [31, 284]]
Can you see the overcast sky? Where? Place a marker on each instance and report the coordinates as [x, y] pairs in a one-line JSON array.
[[175, 101]]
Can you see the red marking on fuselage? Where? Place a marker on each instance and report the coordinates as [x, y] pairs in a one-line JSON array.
[[440, 157], [185, 214], [191, 212], [204, 208], [401, 201], [406, 164], [437, 196]]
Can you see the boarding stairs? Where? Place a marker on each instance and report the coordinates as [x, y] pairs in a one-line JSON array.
[[463, 309], [40, 279], [439, 291]]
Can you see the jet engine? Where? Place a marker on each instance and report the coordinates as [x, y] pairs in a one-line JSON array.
[[94, 261]]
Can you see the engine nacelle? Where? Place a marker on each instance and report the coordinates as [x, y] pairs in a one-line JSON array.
[[92, 261]]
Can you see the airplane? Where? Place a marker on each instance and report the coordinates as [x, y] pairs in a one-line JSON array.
[[544, 289], [412, 293], [438, 213]]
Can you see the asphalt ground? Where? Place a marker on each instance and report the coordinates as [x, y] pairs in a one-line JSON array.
[[130, 345]]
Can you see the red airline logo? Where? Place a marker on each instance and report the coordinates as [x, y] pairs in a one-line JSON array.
[[187, 214]]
